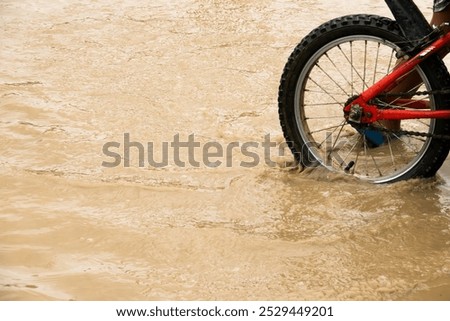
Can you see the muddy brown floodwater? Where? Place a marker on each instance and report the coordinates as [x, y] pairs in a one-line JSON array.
[[76, 75]]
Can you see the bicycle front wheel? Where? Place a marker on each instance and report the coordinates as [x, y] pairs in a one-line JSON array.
[[332, 66]]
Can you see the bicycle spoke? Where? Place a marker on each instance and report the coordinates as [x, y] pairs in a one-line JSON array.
[[365, 156], [376, 165], [375, 71], [330, 134], [390, 151], [325, 91], [339, 71], [332, 79], [335, 142], [365, 67], [309, 90], [406, 144], [324, 117], [391, 59], [325, 104], [351, 150]]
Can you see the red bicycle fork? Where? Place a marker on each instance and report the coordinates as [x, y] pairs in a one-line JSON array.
[[361, 111]]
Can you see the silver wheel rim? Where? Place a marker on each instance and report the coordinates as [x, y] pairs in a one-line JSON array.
[[359, 61]]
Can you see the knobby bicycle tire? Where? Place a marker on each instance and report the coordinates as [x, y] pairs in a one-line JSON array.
[[314, 88]]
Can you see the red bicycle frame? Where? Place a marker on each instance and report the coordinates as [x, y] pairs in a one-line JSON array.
[[371, 113]]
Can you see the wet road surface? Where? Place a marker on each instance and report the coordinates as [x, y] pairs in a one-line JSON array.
[[76, 75]]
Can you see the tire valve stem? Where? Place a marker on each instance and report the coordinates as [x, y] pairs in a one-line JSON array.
[[349, 166]]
